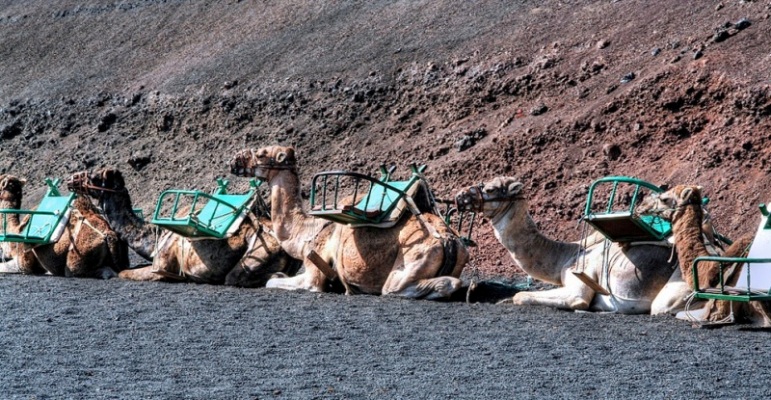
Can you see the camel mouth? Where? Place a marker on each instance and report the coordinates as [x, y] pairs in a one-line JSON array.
[[469, 200]]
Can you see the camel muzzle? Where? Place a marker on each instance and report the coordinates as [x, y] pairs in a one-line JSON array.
[[469, 200]]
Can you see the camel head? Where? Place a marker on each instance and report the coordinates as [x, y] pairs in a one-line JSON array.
[[263, 162], [107, 180], [11, 190], [490, 197], [669, 204], [94, 185]]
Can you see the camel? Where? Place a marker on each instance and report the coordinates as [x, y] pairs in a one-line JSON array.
[[634, 276], [87, 248], [683, 206], [247, 259], [405, 260]]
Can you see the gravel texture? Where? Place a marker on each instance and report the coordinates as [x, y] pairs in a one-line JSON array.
[[69, 338]]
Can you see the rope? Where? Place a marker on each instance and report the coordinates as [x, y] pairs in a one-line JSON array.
[[727, 320]]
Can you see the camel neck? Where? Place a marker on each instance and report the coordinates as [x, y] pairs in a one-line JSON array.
[[119, 212], [688, 239], [538, 255], [293, 228]]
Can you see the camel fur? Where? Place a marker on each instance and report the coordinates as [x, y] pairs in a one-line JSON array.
[[248, 258], [88, 247], [634, 276], [404, 260], [684, 205]]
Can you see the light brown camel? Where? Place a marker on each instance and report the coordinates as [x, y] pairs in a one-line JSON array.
[[683, 206], [405, 260], [248, 258], [87, 248], [634, 276]]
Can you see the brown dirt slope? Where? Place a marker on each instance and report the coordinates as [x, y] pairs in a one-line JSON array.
[[166, 90]]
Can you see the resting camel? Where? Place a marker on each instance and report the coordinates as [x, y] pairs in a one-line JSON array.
[[248, 258], [88, 247], [635, 273], [405, 260], [683, 206]]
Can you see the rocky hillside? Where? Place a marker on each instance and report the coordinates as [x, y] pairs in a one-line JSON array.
[[557, 93]]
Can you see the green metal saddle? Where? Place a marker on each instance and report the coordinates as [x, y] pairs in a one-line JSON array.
[[46, 223], [361, 200], [754, 280], [197, 214], [620, 223]]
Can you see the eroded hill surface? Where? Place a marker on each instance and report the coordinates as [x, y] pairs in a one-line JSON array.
[[557, 93]]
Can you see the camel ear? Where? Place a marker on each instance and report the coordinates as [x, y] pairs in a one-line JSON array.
[[281, 157], [685, 194], [515, 187]]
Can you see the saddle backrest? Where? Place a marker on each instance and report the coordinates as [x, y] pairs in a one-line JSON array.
[[45, 224]]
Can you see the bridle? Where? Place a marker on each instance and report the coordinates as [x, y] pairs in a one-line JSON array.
[[681, 205], [263, 162], [84, 183], [478, 198]]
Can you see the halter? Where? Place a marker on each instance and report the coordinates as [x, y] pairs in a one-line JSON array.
[[269, 163], [478, 198], [682, 205], [86, 184]]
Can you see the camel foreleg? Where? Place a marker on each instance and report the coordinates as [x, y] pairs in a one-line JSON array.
[[312, 280], [562, 298], [430, 289], [10, 267], [141, 274], [575, 295]]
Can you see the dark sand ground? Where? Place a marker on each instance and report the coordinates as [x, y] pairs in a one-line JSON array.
[[79, 338]]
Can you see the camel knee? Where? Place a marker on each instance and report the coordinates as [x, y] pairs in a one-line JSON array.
[[429, 289]]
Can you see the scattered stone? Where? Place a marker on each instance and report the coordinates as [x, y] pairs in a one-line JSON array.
[[628, 77], [697, 54], [720, 36], [655, 51], [470, 139], [719, 7], [612, 151], [675, 59], [742, 24], [229, 84], [139, 161], [11, 130], [539, 109], [603, 44], [106, 122]]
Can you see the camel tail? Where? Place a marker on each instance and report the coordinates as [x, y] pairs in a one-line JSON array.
[[450, 247]]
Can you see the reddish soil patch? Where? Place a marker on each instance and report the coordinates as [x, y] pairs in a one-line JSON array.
[[556, 93]]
